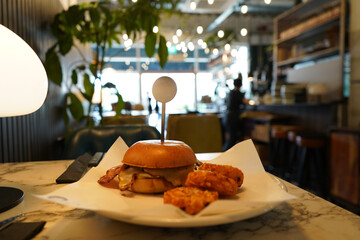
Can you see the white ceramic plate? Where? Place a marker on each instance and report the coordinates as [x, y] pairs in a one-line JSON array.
[[197, 221]]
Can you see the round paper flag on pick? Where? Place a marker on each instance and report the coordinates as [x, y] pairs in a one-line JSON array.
[[164, 89]]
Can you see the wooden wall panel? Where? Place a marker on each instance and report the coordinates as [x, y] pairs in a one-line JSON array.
[[34, 136]]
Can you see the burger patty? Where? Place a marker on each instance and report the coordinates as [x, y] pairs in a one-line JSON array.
[[175, 176]]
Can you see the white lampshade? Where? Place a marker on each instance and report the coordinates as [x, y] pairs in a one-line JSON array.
[[23, 79]]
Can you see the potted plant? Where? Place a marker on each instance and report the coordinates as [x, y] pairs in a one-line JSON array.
[[100, 24]]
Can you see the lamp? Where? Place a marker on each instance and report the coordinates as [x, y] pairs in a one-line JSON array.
[[23, 89]]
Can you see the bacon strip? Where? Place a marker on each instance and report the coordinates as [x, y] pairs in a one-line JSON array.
[[110, 174]]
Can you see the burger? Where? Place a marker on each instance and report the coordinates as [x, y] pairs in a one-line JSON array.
[[152, 166]]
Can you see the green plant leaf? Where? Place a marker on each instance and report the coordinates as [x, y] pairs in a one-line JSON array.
[[162, 51], [150, 43], [119, 105], [53, 66], [88, 87], [74, 77], [75, 107]]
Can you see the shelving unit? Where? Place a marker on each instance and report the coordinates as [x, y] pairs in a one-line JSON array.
[[310, 31]]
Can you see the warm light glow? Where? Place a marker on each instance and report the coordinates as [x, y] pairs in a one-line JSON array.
[[199, 29], [227, 47], [125, 37], [168, 44], [175, 39], [134, 1], [23, 81], [210, 2], [220, 33], [191, 46], [179, 32], [267, 1], [155, 29], [243, 32], [215, 51], [207, 50], [204, 45], [244, 9], [193, 5], [200, 42], [184, 49]]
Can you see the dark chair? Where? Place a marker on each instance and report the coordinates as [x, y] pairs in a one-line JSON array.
[[100, 139]]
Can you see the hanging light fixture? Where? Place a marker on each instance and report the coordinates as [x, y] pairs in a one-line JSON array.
[[199, 29], [210, 2], [175, 39]]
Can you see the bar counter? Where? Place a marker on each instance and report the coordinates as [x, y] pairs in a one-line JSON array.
[[308, 217]]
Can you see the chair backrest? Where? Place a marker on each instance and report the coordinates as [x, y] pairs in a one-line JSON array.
[[100, 139], [201, 132]]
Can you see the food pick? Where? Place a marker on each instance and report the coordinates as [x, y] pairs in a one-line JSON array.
[[164, 90]]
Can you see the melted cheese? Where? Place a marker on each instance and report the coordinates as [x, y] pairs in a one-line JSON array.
[[176, 176]]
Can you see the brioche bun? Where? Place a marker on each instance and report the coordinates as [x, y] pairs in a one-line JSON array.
[[154, 154], [154, 167]]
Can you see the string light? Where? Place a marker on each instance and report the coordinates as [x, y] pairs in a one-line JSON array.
[[215, 51], [168, 44], [179, 32], [243, 32], [220, 33], [267, 2], [199, 29], [175, 39], [193, 5], [155, 29], [227, 47], [244, 9]]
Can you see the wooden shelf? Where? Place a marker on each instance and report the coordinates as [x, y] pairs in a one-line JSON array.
[[310, 57], [309, 32]]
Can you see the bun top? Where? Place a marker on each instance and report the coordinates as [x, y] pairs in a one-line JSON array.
[[154, 154]]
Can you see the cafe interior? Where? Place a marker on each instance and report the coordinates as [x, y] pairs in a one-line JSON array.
[[83, 73]]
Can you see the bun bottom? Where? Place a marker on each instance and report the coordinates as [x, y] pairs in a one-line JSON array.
[[150, 185]]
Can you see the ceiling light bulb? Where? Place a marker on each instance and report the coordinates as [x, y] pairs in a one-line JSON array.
[[155, 29], [204, 45], [215, 51], [243, 32], [210, 2], [178, 47], [175, 39], [184, 49], [267, 1], [220, 33], [207, 50], [193, 5], [182, 44], [168, 44], [227, 47], [244, 9], [200, 42], [179, 32], [191, 46], [199, 29], [134, 1]]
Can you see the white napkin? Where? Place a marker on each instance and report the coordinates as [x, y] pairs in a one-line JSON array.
[[259, 189]]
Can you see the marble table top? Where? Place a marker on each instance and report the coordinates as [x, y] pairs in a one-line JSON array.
[[308, 217]]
